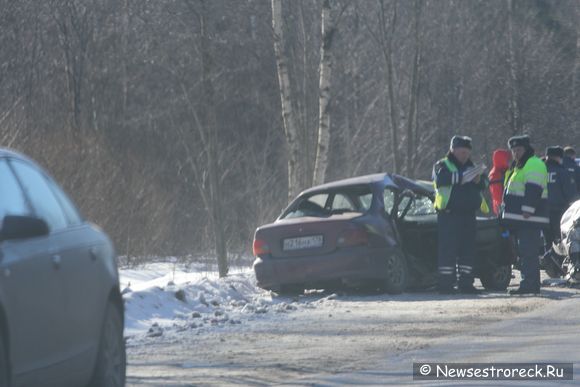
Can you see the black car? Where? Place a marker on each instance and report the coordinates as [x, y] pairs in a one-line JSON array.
[[376, 231], [61, 312]]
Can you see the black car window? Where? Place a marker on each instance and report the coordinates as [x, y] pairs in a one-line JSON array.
[[68, 207], [12, 200], [43, 201]]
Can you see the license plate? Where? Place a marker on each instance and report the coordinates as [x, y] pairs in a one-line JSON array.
[[308, 242]]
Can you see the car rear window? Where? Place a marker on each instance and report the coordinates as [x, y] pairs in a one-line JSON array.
[[326, 204]]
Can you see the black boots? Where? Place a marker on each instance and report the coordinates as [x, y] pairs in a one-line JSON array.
[[520, 291]]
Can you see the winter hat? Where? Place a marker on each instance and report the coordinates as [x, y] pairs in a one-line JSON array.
[[519, 141], [569, 151], [555, 151], [460, 142]]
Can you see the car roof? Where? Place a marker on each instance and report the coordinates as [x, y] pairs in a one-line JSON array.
[[383, 178], [6, 152]]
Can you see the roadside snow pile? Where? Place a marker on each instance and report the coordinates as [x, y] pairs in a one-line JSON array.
[[163, 297]]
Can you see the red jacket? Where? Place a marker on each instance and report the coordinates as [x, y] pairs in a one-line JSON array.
[[501, 163]]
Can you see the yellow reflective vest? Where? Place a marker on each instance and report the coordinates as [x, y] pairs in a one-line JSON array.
[[443, 194], [526, 190]]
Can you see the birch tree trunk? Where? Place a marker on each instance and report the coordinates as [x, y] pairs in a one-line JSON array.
[[387, 46], [288, 114], [413, 96], [326, 59], [515, 123], [304, 107]]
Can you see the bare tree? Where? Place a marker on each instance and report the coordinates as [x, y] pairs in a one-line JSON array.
[[75, 34], [329, 26], [288, 115], [414, 95], [182, 125], [514, 107]]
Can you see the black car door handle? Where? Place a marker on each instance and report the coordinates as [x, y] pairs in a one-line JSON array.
[[56, 261]]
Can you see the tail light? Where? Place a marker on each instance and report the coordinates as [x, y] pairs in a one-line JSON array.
[[261, 247], [353, 237]]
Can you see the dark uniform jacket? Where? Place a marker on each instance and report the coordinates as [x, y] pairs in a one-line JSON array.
[[561, 189], [574, 170]]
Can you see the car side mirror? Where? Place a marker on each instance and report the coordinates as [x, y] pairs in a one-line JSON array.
[[22, 227]]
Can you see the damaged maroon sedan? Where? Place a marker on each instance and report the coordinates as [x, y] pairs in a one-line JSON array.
[[374, 232]]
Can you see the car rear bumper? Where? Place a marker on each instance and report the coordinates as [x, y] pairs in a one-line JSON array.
[[345, 265]]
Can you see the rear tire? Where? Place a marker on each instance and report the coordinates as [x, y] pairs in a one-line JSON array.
[[111, 359], [397, 274], [497, 278], [4, 380]]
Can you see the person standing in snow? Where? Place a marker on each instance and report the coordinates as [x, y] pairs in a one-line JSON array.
[[525, 210], [561, 193], [501, 163], [458, 196]]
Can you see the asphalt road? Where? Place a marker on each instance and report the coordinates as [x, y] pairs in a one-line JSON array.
[[357, 339]]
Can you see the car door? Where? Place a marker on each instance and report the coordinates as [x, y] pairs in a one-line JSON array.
[[82, 249], [51, 330], [32, 287]]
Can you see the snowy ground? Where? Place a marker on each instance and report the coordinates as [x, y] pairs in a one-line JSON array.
[[229, 332], [163, 299]]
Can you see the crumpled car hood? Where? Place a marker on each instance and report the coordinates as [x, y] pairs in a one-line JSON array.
[[570, 226]]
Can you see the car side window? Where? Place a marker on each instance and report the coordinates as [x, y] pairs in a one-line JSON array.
[[68, 207], [366, 200], [421, 206], [43, 201], [342, 202], [319, 200], [12, 201], [389, 200]]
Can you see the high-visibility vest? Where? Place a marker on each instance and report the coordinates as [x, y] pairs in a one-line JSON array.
[[443, 194], [533, 172]]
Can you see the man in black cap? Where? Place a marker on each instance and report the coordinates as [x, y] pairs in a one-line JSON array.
[[458, 186], [525, 210], [561, 192], [569, 163]]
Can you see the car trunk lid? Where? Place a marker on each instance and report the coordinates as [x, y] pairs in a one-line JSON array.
[[297, 237]]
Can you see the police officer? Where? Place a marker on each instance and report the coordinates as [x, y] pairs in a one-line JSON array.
[[561, 192], [569, 163], [525, 210], [459, 185]]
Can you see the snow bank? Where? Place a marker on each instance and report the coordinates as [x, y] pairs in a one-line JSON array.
[[165, 297]]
